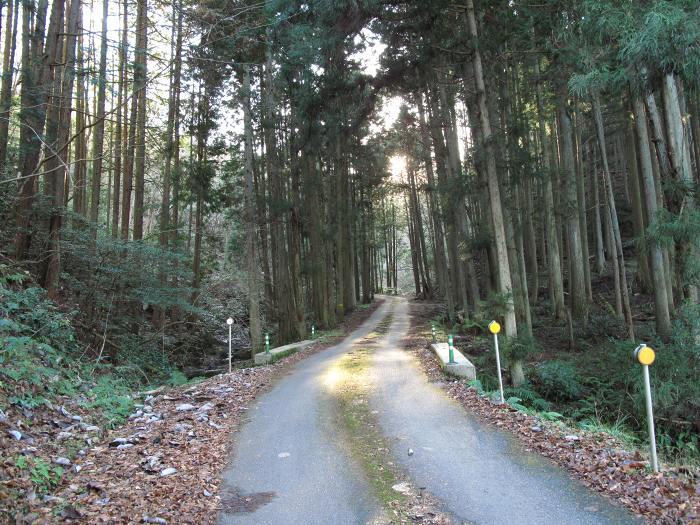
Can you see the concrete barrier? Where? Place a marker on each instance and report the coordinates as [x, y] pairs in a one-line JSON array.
[[462, 367], [275, 354]]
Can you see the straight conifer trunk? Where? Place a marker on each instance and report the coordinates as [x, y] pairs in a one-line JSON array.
[[556, 283], [8, 61], [506, 288], [58, 133], [253, 296], [571, 206], [98, 143], [140, 80], [619, 257], [658, 270]]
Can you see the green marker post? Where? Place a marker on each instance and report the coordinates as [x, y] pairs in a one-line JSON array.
[[452, 349], [432, 328], [267, 343]]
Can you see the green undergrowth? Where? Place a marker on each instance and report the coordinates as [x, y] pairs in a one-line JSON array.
[[43, 475], [350, 388], [42, 363], [597, 386]]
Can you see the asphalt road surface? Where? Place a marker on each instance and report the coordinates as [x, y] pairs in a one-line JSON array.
[[289, 466], [288, 461], [481, 475]]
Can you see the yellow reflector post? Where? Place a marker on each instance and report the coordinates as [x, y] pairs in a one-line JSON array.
[[494, 327], [646, 355]]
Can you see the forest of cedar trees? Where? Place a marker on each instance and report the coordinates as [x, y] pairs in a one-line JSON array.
[[165, 165]]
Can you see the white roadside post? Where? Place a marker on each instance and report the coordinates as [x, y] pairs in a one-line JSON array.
[[229, 322], [494, 328], [646, 356]]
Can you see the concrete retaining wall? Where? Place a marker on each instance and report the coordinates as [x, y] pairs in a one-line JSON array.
[[262, 358], [462, 367]]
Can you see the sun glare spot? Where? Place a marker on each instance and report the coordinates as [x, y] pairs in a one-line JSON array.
[[397, 167]]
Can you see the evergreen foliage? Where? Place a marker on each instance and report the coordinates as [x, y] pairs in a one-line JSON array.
[[281, 162]]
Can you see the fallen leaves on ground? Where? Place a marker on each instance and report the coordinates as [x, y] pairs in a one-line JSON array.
[[161, 467], [598, 460]]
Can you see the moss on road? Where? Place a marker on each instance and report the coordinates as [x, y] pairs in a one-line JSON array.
[[350, 383]]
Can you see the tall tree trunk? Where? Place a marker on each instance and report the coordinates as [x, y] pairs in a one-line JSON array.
[[413, 248], [638, 207], [317, 248], [99, 133], [680, 154], [663, 317], [663, 154], [597, 224], [456, 197], [530, 239], [261, 195], [571, 205], [130, 138], [173, 121], [346, 224], [80, 162], [581, 198], [422, 254], [447, 198], [556, 286], [119, 135], [506, 287], [140, 82], [294, 237], [200, 183], [694, 109], [284, 312], [36, 79], [607, 186], [8, 61], [56, 164], [55, 149], [253, 298], [176, 171], [441, 270]]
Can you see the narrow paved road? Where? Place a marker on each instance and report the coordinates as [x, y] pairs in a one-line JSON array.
[[289, 468]]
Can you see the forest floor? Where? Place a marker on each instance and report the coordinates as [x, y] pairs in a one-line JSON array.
[[369, 430]]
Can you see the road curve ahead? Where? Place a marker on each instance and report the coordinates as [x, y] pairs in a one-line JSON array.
[[481, 475], [289, 466]]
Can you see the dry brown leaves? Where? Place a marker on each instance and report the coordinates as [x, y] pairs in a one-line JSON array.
[[161, 467], [598, 460]]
